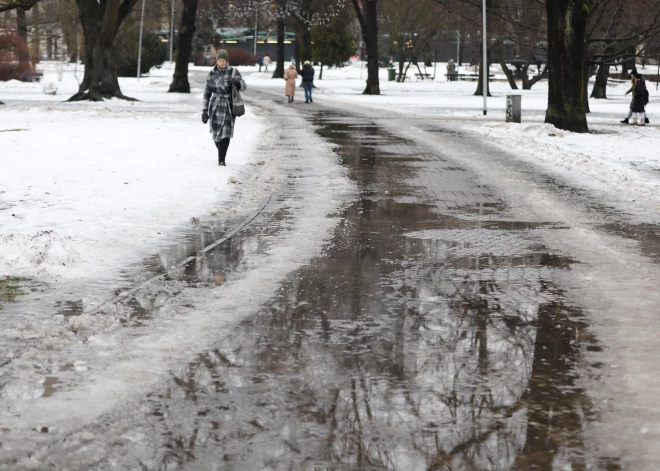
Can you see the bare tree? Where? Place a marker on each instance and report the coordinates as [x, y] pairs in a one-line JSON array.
[[367, 14], [100, 24], [180, 82], [410, 26]]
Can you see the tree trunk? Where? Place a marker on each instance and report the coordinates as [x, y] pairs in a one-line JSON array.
[[567, 21], [100, 24], [321, 72], [600, 86], [180, 82], [585, 86], [505, 69], [529, 83], [306, 43], [366, 11], [71, 41], [279, 68], [36, 56], [480, 85], [23, 52]]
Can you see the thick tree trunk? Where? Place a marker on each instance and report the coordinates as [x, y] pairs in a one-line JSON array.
[[366, 11], [279, 68], [180, 82], [600, 86], [100, 24], [567, 21]]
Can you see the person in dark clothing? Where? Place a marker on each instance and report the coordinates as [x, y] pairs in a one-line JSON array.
[[633, 81], [639, 100], [217, 102], [308, 81]]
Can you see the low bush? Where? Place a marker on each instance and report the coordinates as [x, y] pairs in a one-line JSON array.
[[239, 56]]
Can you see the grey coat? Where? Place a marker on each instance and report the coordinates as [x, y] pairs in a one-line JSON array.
[[217, 101]]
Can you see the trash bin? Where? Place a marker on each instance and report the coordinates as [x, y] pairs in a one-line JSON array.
[[513, 108], [390, 75]]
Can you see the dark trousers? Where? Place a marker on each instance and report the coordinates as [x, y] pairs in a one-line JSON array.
[[222, 145]]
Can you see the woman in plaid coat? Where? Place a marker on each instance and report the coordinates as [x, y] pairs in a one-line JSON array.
[[217, 102]]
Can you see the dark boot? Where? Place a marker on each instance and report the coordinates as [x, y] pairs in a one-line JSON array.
[[646, 120], [222, 146], [624, 121]]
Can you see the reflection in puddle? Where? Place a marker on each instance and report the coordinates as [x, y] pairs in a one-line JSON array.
[[450, 349]]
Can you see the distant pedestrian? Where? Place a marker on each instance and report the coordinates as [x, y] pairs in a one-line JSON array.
[[260, 61], [308, 81], [290, 76], [633, 79], [217, 102], [293, 61], [640, 99], [451, 70], [267, 62]]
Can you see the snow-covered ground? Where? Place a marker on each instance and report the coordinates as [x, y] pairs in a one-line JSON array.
[[613, 157], [87, 187]]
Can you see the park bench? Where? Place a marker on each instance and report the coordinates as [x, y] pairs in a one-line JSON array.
[[30, 76], [470, 76], [423, 77]]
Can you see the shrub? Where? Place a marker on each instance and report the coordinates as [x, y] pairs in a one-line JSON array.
[[154, 52]]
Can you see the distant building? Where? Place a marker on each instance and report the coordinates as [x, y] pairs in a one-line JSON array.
[[243, 38]]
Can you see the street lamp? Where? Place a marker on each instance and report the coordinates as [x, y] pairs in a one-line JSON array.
[[484, 66], [140, 42]]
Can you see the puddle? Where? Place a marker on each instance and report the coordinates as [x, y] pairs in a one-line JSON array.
[[419, 340], [648, 236]]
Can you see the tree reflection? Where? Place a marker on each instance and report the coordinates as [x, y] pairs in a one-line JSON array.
[[396, 353]]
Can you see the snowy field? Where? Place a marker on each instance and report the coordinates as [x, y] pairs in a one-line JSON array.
[[88, 187], [613, 158]]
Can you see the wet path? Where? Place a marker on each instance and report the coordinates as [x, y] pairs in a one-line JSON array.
[[430, 335], [420, 340], [433, 332]]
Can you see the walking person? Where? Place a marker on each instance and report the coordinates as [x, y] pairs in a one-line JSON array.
[[308, 81], [633, 80], [260, 61], [640, 99], [267, 62], [290, 76], [217, 106]]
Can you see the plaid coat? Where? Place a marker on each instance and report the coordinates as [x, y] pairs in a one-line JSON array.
[[217, 100]]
